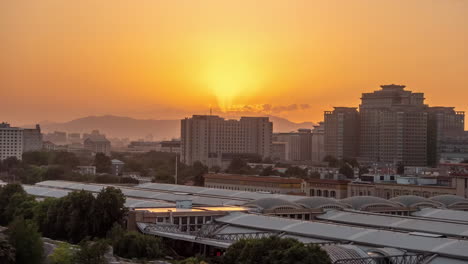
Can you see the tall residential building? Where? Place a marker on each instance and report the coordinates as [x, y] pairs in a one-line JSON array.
[[292, 143], [32, 139], [445, 125], [393, 126], [11, 141], [318, 143], [342, 132], [213, 140]]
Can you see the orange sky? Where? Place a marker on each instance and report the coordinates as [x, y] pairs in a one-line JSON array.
[[61, 60]]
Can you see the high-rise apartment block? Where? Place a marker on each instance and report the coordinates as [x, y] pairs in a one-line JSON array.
[[213, 140], [32, 139], [445, 125], [342, 132], [394, 126], [11, 141]]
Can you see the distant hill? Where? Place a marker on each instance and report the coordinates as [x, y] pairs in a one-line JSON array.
[[126, 127]]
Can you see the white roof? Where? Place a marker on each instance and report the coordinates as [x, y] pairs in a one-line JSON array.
[[410, 224], [443, 246]]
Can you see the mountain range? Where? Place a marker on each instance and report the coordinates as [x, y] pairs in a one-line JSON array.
[[127, 127]]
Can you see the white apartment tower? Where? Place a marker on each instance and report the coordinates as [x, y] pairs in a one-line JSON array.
[[11, 141], [213, 140]]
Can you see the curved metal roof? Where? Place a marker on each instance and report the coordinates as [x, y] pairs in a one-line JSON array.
[[362, 202], [449, 200], [321, 202], [273, 203], [339, 252], [413, 201]]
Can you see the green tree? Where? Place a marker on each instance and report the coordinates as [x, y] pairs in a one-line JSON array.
[[64, 253], [26, 240], [91, 252], [267, 171], [274, 250], [65, 159], [215, 169], [53, 173], [400, 168], [10, 163], [6, 194], [38, 158], [238, 166], [80, 215], [20, 205], [103, 163], [193, 260], [163, 176], [297, 172], [136, 245], [332, 161], [199, 170], [7, 251], [108, 210], [347, 171]]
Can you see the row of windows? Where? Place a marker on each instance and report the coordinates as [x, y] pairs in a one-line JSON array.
[[322, 193]]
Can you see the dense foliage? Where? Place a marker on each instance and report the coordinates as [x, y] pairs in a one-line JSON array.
[[7, 251], [26, 240], [274, 250], [131, 245]]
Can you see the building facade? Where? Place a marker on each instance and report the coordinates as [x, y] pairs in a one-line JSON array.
[[271, 184], [337, 189], [213, 140], [318, 143], [342, 132], [172, 146], [11, 142], [445, 128], [393, 126], [98, 145], [32, 139]]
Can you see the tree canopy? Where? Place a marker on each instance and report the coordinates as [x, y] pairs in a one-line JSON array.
[[26, 239], [274, 250]]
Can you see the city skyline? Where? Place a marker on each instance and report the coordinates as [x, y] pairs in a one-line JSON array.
[[62, 61]]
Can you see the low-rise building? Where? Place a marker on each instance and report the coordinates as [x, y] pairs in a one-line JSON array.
[[418, 186], [97, 143], [144, 146], [86, 170], [326, 188], [270, 184], [172, 146], [117, 167]]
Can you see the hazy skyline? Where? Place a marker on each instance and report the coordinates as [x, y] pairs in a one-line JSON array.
[[62, 60]]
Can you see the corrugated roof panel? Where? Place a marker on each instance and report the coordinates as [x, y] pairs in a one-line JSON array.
[[396, 222], [445, 214]]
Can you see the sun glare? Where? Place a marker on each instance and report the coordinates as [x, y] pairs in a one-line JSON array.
[[230, 78]]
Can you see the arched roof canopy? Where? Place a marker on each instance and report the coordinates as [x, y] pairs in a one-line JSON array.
[[322, 202], [273, 203], [450, 200], [364, 202], [415, 201]]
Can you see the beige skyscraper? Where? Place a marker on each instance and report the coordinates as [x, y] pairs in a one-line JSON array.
[[342, 132], [393, 125], [213, 140]]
